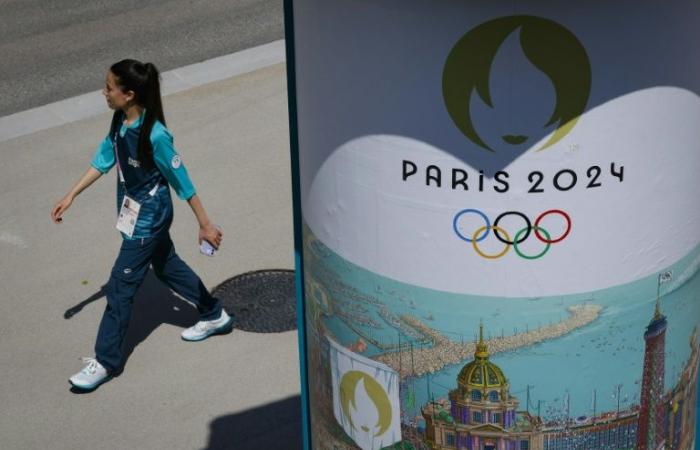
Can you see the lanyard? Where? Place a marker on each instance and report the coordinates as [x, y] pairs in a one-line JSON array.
[[152, 192], [116, 158]]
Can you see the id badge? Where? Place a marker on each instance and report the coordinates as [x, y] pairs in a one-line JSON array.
[[128, 215]]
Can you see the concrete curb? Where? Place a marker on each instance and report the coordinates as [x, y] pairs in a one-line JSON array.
[[176, 80]]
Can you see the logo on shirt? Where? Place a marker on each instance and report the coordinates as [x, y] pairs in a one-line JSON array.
[[176, 162], [134, 162]]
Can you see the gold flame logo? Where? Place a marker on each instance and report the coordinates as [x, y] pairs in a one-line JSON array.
[[547, 45], [349, 386]]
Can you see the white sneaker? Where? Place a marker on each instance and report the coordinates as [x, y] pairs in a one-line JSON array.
[[92, 375], [205, 328]]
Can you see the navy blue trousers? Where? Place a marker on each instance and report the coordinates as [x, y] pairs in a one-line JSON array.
[[128, 273]]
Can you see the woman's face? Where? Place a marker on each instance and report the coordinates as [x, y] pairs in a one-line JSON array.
[[116, 98]]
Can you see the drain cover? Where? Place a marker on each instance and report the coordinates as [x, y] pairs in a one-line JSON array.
[[263, 301]]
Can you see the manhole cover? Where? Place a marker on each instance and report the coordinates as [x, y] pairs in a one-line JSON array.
[[263, 301]]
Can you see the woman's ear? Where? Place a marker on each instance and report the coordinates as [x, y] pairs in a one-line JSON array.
[[130, 95]]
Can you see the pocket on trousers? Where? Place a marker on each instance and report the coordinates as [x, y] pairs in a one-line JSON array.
[[133, 260], [129, 274]]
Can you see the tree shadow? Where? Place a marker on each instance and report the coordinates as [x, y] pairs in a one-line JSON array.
[[154, 304], [275, 425]]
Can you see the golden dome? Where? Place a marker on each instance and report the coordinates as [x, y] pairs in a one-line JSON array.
[[481, 373]]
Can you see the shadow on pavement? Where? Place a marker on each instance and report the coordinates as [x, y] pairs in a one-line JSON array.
[[73, 310], [154, 304], [272, 426]]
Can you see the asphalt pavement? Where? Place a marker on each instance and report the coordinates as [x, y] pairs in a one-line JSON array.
[[237, 391], [62, 48]]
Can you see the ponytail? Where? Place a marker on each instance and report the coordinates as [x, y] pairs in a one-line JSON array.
[[144, 81]]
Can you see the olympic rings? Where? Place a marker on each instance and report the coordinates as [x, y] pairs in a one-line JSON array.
[[563, 236], [465, 211], [517, 241], [537, 256], [502, 235], [495, 230]]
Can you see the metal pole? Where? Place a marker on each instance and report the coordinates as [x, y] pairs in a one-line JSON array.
[[427, 382], [595, 399], [527, 403], [413, 368], [298, 234], [399, 355]]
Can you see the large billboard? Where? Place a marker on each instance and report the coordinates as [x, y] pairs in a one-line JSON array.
[[500, 223]]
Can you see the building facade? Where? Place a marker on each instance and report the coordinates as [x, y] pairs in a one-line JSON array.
[[680, 404], [481, 414], [610, 431]]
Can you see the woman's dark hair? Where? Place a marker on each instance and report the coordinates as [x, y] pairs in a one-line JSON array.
[[144, 80]]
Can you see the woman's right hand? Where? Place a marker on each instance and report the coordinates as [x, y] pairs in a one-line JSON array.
[[60, 208]]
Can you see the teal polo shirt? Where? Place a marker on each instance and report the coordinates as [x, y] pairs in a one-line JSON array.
[[150, 187]]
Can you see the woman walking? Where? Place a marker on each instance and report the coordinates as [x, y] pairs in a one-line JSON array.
[[141, 147]]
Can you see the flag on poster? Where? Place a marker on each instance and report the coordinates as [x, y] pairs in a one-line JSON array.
[[365, 398], [665, 277]]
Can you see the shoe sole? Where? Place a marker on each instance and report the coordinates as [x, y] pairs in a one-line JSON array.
[[225, 328], [90, 387]]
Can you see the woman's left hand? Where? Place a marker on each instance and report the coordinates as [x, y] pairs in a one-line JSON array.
[[211, 234]]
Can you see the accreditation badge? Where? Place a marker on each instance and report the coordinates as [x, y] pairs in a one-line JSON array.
[[128, 215]]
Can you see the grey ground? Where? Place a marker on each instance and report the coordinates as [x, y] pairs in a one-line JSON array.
[[51, 50], [238, 391]]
